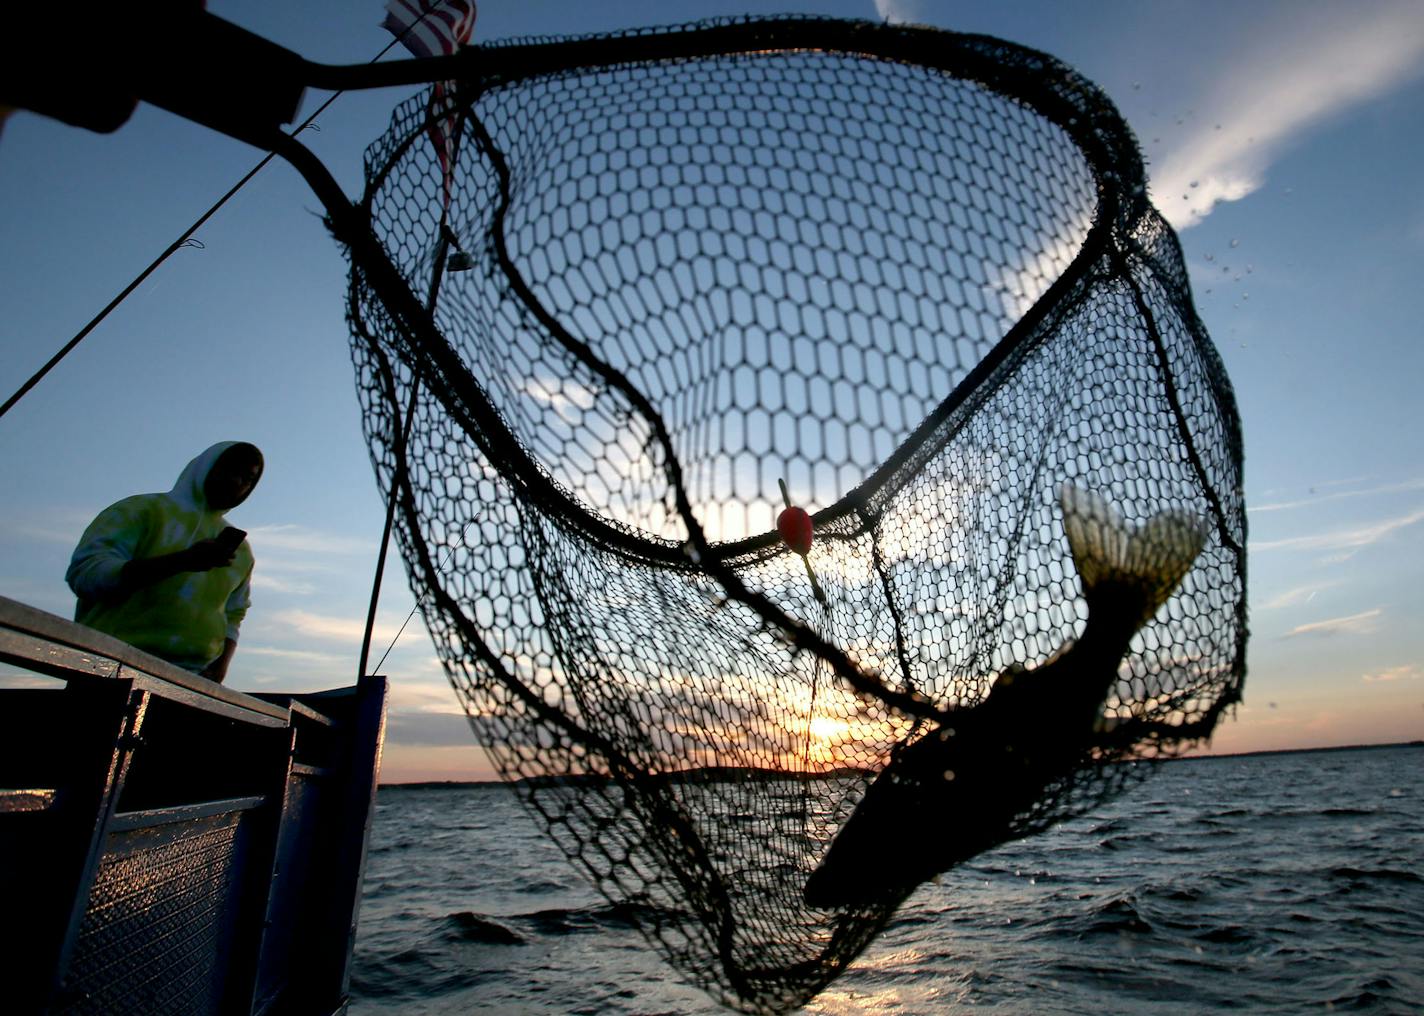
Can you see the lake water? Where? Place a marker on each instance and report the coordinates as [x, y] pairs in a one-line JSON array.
[[1265, 884]]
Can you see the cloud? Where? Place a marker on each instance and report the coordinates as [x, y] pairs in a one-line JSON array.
[[1316, 499], [288, 555], [429, 729], [900, 12], [326, 660], [49, 524], [264, 580], [567, 397], [46, 534], [1278, 91], [1342, 539], [1295, 597], [294, 537], [336, 629], [11, 678], [1356, 624], [50, 595], [423, 690], [1407, 672]]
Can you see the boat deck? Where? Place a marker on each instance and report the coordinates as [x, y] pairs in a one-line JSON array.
[[170, 845]]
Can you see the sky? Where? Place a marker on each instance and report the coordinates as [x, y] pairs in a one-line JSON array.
[[1283, 141]]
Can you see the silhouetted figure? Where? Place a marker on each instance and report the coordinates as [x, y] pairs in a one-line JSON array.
[[165, 572]]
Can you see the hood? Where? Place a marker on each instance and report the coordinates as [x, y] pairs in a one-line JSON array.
[[188, 491]]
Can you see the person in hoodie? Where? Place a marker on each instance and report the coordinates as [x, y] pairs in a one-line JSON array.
[[151, 569]]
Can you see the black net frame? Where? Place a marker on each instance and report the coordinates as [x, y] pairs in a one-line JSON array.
[[942, 247]]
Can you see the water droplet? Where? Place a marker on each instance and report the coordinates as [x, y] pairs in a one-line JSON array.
[[1211, 257], [1194, 184], [1137, 86], [1236, 243]]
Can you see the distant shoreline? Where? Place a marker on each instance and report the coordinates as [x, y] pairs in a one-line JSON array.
[[1301, 751], [461, 784]]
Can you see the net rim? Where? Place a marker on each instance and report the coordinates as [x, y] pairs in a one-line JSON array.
[[1038, 81]]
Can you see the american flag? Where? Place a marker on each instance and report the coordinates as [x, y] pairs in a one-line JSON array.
[[435, 28]]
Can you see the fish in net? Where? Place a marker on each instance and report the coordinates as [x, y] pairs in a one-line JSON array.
[[653, 296]]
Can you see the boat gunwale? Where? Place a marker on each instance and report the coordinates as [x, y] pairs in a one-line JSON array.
[[47, 644]]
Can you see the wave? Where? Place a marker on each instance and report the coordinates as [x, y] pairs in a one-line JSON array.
[[1381, 874], [467, 926], [1129, 841], [1117, 917], [570, 921], [1227, 934], [412, 973], [1314, 903], [1378, 993], [1175, 894]]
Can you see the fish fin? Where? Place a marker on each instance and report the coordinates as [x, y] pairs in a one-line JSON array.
[[1153, 558], [1097, 534]]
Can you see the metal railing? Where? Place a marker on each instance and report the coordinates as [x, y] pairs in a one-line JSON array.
[[170, 845]]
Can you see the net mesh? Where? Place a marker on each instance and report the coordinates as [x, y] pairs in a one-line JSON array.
[[914, 276]]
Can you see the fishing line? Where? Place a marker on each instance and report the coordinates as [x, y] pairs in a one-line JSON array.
[[401, 631], [187, 235]]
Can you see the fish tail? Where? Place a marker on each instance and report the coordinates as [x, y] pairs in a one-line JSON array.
[[1151, 560]]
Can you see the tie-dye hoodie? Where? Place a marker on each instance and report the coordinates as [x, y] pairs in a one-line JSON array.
[[185, 618]]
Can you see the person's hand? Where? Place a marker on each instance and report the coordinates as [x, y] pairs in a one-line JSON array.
[[206, 555], [217, 670]]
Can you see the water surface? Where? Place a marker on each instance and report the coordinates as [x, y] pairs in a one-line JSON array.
[[1265, 884]]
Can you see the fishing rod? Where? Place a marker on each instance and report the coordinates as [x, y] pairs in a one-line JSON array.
[[81, 107], [226, 93]]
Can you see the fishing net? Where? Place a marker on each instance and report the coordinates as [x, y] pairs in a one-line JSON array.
[[911, 274]]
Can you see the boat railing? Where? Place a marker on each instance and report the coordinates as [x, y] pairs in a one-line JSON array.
[[171, 845]]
